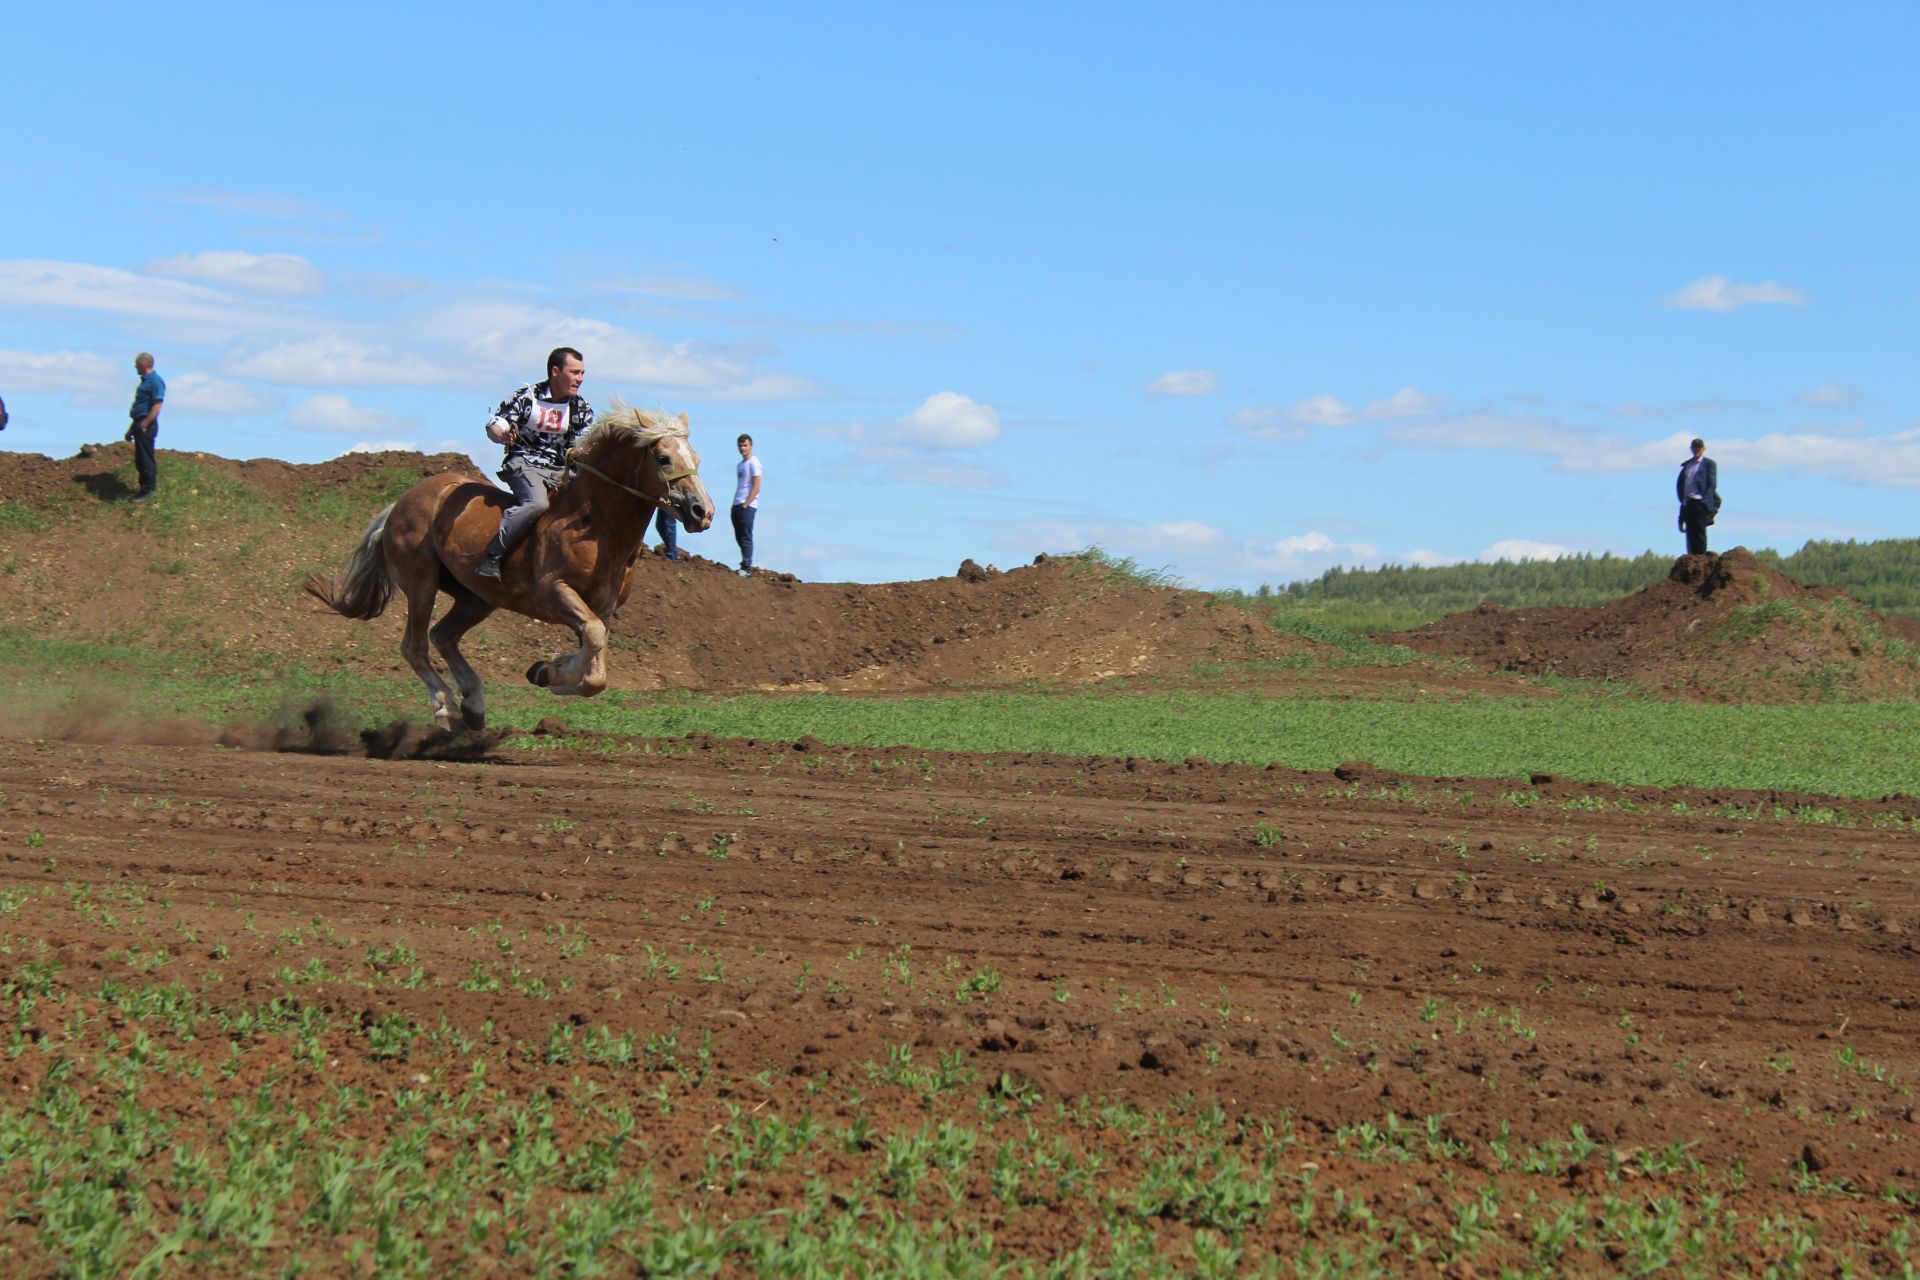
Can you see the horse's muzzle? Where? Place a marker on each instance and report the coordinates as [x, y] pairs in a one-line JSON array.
[[692, 511]]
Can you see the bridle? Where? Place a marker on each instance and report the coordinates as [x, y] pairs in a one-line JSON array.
[[664, 502]]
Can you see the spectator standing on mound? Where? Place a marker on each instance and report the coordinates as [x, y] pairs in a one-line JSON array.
[[538, 424], [1699, 492], [669, 534], [746, 502], [145, 426], [3, 415]]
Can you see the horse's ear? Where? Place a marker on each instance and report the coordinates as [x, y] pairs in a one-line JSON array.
[[683, 419]]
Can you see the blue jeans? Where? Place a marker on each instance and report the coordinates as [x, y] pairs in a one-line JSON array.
[[743, 532], [669, 534]]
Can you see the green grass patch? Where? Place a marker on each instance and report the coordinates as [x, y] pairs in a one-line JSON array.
[[1840, 748], [355, 502], [193, 493], [18, 517]]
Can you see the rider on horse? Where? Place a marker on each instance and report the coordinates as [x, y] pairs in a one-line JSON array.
[[538, 424]]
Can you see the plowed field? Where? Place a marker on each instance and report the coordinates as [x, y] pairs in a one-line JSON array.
[[1051, 1001]]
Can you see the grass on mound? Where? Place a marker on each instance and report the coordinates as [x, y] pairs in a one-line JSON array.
[[1852, 749]]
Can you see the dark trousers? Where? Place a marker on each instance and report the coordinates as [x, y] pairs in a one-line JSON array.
[[145, 464], [743, 532], [1694, 518], [529, 504], [669, 534]]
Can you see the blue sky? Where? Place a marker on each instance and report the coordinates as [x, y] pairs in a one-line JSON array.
[[1242, 292]]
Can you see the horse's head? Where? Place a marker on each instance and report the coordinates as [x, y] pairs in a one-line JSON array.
[[650, 455]]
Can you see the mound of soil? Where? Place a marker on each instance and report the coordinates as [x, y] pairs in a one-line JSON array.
[[228, 581], [1719, 626], [97, 470]]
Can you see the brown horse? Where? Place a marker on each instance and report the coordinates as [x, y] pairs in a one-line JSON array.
[[572, 568]]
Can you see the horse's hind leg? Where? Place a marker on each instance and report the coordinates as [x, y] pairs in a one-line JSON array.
[[413, 647], [467, 613]]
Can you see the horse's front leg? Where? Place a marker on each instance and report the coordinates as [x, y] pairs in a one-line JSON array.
[[583, 672]]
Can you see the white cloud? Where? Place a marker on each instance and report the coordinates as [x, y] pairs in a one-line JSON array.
[[1829, 395], [337, 414], [1892, 459], [1322, 411], [185, 311], [1408, 402], [256, 204], [503, 339], [1713, 408], [1330, 411], [76, 373], [204, 395], [334, 361], [1524, 549], [949, 475], [280, 275], [1188, 535], [947, 420], [1184, 382], [1427, 559], [1487, 429], [676, 288], [1267, 423], [1720, 293]]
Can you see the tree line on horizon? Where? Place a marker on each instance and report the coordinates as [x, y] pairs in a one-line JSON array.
[[1883, 574]]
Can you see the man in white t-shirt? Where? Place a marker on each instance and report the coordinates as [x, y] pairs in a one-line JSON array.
[[746, 501], [538, 424]]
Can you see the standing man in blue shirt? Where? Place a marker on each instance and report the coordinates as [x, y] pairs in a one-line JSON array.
[[1699, 492], [746, 502], [538, 424], [145, 428]]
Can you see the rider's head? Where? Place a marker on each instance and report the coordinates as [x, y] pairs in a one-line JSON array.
[[566, 370]]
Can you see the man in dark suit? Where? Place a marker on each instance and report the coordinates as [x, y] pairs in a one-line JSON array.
[[1699, 491]]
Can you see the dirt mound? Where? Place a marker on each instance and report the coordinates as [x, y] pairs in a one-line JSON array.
[[96, 471], [216, 567], [1719, 626], [698, 626]]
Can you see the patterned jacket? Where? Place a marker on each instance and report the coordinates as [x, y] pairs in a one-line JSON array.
[[543, 444]]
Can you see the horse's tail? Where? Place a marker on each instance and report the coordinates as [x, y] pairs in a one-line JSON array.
[[363, 591]]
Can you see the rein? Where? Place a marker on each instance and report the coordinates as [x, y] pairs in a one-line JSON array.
[[665, 503]]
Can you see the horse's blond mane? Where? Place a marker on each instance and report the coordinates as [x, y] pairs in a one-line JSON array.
[[643, 426]]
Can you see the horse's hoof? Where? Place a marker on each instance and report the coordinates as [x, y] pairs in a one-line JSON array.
[[540, 673], [474, 720]]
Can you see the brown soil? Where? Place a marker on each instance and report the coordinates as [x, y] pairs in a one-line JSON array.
[[689, 624], [1656, 978], [1722, 627]]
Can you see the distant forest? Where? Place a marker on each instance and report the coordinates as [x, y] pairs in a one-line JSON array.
[[1884, 575]]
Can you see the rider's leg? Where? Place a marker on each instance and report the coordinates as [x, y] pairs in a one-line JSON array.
[[530, 501]]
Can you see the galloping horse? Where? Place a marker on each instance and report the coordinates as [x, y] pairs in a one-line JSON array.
[[572, 568]]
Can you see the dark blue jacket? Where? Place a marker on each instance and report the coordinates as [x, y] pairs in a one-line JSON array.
[[1709, 483]]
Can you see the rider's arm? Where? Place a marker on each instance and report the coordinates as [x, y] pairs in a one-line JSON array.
[[510, 416]]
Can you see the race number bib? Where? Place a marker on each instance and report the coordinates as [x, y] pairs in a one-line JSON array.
[[549, 418]]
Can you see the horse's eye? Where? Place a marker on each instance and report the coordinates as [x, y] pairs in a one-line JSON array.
[[663, 459]]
